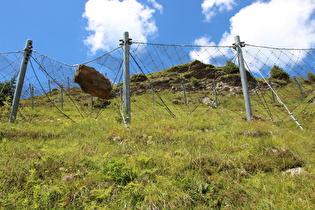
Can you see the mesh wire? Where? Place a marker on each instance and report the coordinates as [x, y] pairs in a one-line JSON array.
[[172, 91]]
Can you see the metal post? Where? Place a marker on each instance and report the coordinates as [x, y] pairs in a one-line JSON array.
[[152, 91], [126, 85], [121, 93], [272, 93], [299, 86], [91, 102], [215, 93], [19, 85], [49, 87], [61, 97], [238, 46], [68, 83], [184, 90], [32, 96]]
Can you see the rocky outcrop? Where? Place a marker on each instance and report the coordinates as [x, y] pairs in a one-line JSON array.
[[195, 76], [93, 82], [203, 71]]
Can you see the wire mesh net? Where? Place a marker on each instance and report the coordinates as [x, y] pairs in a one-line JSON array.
[[213, 85], [171, 81], [286, 77]]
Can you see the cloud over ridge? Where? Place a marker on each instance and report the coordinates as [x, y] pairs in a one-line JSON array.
[[276, 23], [281, 23], [273, 23]]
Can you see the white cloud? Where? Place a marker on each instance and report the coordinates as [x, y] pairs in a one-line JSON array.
[[211, 7], [276, 23], [202, 54], [109, 19], [282, 23], [156, 5], [208, 52]]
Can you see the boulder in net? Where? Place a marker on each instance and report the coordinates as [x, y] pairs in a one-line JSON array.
[[93, 82]]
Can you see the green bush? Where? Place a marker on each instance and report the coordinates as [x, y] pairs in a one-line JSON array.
[[311, 76], [139, 77], [194, 82], [278, 73], [6, 92], [230, 68]]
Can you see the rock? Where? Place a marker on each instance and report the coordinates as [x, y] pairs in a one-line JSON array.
[[226, 88], [237, 90], [312, 100], [295, 171], [209, 101], [231, 79], [68, 177], [116, 138], [93, 82], [277, 150], [200, 70]]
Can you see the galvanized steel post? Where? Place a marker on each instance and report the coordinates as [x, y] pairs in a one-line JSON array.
[[21, 76], [32, 96], [215, 93], [126, 84], [61, 97], [238, 46]]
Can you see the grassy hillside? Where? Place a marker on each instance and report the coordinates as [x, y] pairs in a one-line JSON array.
[[207, 159], [158, 163]]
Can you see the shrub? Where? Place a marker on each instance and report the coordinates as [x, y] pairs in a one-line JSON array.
[[194, 82], [230, 68], [7, 91], [139, 77], [311, 76], [278, 73]]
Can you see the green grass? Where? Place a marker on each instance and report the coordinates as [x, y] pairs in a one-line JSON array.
[[202, 159]]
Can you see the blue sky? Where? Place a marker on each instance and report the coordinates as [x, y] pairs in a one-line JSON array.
[[75, 31]]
